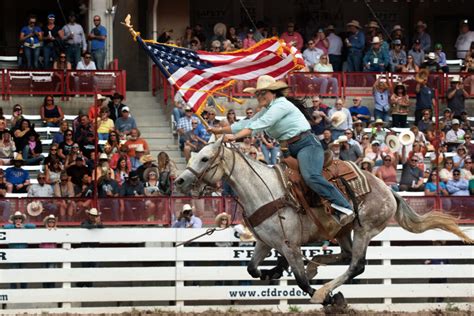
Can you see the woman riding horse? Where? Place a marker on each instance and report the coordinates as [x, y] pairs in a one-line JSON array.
[[284, 121]]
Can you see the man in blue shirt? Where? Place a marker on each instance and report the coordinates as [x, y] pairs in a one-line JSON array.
[[376, 58], [97, 36], [424, 100], [31, 37], [356, 44], [186, 219], [18, 179], [359, 111]]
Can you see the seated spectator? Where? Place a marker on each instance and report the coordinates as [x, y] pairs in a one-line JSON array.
[[103, 167], [51, 114], [107, 187], [454, 136], [468, 169], [441, 57], [465, 122], [133, 187], [358, 132], [431, 64], [7, 148], [212, 121], [58, 137], [115, 157], [87, 147], [400, 104], [83, 129], [367, 164], [412, 176], [327, 138], [230, 118], [419, 136], [17, 117], [112, 145], [342, 126], [62, 63], [347, 151], [94, 109], [192, 142], [186, 219], [359, 111], [41, 189], [125, 123], [134, 141], [468, 143], [136, 161], [311, 55], [152, 182], [432, 184], [64, 190], [460, 156], [104, 124], [410, 66], [418, 150], [86, 62], [458, 186], [327, 80], [381, 92], [167, 172], [18, 179], [388, 172], [20, 135], [73, 154], [85, 190], [446, 173], [116, 106], [417, 53], [53, 170], [77, 171], [122, 171], [446, 122], [398, 57], [147, 162], [33, 149]]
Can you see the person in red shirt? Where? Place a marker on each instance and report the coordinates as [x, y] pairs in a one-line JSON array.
[[134, 141], [95, 108], [293, 38]]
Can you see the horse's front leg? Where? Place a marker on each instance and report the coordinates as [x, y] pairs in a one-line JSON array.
[[295, 260], [259, 254]]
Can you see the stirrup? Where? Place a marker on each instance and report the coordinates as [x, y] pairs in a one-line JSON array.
[[342, 209]]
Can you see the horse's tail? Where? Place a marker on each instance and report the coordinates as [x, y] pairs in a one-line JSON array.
[[414, 223]]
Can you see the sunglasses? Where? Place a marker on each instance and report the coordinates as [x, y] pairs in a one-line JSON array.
[[152, 174], [49, 100], [261, 93], [456, 174], [41, 178], [414, 160], [62, 57], [388, 160], [253, 153], [249, 112], [87, 57], [53, 149], [68, 134]]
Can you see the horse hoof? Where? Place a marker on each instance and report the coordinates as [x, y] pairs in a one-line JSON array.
[[339, 300]]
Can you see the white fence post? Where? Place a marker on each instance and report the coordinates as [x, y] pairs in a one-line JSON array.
[[66, 285], [387, 262]]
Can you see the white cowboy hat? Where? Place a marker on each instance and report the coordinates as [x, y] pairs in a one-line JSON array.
[[34, 208], [187, 207], [220, 217], [48, 218], [93, 211], [147, 158], [393, 143], [431, 55], [422, 24], [140, 148], [367, 160], [338, 118], [266, 82], [103, 156], [17, 214], [373, 24], [406, 138], [100, 97], [342, 139], [379, 121], [375, 40], [354, 23]]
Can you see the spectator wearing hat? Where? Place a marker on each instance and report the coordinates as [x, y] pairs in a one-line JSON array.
[[359, 111], [417, 53], [424, 100], [18, 179], [371, 31], [376, 59], [136, 160], [104, 124], [397, 34], [103, 167], [412, 177], [93, 221], [335, 48], [356, 44], [464, 40], [400, 103], [376, 154], [51, 41], [422, 36], [367, 164], [125, 123], [460, 156], [441, 57], [95, 108], [135, 140], [291, 37], [133, 187], [147, 162], [398, 57], [115, 106], [50, 223], [455, 135], [456, 96], [347, 151], [381, 91], [97, 36], [187, 219], [431, 63]]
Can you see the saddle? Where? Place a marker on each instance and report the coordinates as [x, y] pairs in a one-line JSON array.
[[339, 173]]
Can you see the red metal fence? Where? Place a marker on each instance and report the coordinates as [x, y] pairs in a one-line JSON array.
[[165, 210], [62, 82]]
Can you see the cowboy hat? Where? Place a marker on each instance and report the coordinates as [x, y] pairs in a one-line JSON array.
[[373, 24], [338, 118], [100, 97], [397, 28], [357, 122], [375, 40], [34, 208], [93, 211], [330, 27], [187, 207], [422, 24], [266, 82], [393, 143], [147, 158], [379, 121], [17, 214], [354, 23], [147, 171], [48, 218], [220, 217], [406, 138], [367, 160], [103, 156], [431, 55], [342, 139]]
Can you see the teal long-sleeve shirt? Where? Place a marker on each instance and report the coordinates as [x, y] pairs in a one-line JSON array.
[[280, 120]]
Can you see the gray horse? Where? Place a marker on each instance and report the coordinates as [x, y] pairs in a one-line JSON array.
[[286, 230]]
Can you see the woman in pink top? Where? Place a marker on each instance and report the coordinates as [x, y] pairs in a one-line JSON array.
[[249, 41], [388, 173]]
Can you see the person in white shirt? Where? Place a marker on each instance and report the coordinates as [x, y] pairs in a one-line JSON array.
[[455, 135], [464, 40], [86, 63], [335, 48], [311, 55], [85, 78]]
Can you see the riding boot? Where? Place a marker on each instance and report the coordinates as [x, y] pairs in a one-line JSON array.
[[342, 214]]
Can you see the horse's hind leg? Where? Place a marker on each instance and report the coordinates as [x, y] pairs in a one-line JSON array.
[[259, 254], [357, 266]]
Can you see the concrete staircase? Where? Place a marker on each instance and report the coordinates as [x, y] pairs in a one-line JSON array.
[[154, 125]]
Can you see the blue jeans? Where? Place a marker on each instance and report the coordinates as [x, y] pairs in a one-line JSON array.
[[98, 56], [335, 133], [30, 160], [310, 155], [270, 154], [354, 61], [32, 57], [336, 62], [378, 114], [103, 136], [73, 53], [177, 114], [49, 55]]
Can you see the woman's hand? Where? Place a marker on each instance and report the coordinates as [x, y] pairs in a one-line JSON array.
[[214, 130], [229, 138]]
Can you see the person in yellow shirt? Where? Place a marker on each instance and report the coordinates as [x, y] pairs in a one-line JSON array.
[[104, 124]]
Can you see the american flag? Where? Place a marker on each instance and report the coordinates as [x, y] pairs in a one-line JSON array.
[[198, 74]]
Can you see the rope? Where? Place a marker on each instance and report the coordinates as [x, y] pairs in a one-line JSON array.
[[378, 20], [248, 15]]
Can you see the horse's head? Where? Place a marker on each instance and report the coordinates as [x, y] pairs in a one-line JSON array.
[[204, 168]]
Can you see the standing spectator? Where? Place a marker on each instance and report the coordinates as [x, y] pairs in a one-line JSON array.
[[93, 221], [116, 106], [320, 41], [311, 55], [51, 41], [417, 53], [398, 57], [381, 92], [270, 148], [422, 36], [458, 186], [335, 48], [291, 37], [464, 40], [18, 179], [97, 36], [412, 176], [344, 123], [75, 40], [187, 219], [134, 141], [359, 111], [356, 45], [372, 29], [40, 189], [424, 99], [64, 190], [400, 104], [31, 37], [167, 172], [50, 223], [248, 41], [376, 59], [184, 124], [397, 34], [125, 123], [456, 96], [51, 114]]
